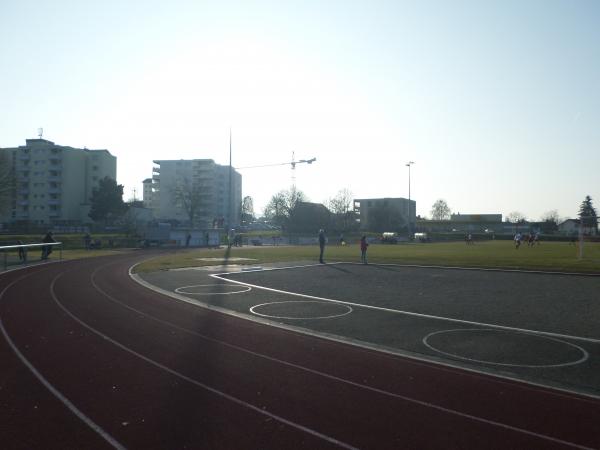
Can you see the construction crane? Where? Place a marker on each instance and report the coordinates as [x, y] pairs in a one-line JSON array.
[[291, 163]]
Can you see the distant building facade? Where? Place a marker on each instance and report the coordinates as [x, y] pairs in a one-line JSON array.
[[54, 183], [385, 214], [147, 193], [199, 177], [476, 218], [571, 227], [472, 223]]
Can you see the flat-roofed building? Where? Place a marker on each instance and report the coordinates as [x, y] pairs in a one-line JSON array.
[[54, 183], [385, 214], [204, 183], [489, 218]]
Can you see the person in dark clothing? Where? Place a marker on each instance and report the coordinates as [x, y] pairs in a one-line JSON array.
[[363, 249], [22, 252], [321, 245], [47, 249], [87, 241]]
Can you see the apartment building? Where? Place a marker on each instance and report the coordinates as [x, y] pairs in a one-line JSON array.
[[147, 193], [54, 183], [204, 181]]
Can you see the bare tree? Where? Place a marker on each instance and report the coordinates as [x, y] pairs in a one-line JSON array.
[[516, 217], [440, 210], [190, 197], [551, 216], [247, 209], [7, 182], [280, 207], [340, 206], [341, 203]]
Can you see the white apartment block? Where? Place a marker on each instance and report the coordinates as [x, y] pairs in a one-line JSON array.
[[147, 193], [54, 183], [207, 179]]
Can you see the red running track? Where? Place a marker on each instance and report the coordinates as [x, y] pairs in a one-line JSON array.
[[90, 359]]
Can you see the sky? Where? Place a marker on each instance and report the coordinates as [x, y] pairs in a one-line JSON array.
[[496, 102]]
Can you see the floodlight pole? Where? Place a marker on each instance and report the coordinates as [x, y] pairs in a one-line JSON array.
[[408, 164], [230, 206]]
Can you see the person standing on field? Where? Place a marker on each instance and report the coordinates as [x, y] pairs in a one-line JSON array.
[[363, 249], [321, 245]]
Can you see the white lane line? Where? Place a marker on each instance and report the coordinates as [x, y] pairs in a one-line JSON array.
[[193, 381], [343, 380], [65, 401], [221, 276], [482, 269]]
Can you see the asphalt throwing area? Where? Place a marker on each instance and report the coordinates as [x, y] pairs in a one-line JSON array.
[[536, 327]]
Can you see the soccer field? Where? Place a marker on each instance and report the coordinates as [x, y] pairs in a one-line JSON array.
[[550, 256]]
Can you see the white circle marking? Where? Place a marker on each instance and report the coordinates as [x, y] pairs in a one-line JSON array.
[[333, 316], [182, 290], [571, 363]]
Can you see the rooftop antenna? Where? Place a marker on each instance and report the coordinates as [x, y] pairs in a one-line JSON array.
[[40, 132]]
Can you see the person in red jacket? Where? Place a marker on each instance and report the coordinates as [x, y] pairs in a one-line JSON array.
[[363, 249]]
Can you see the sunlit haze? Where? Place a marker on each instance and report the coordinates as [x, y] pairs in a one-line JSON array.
[[496, 102]]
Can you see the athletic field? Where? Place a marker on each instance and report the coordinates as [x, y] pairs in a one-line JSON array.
[[548, 256]]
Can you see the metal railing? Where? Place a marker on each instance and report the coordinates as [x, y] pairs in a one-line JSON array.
[[22, 251]]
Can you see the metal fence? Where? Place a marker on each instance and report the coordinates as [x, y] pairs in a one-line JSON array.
[[19, 253]]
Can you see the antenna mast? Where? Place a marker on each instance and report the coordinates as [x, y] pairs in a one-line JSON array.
[[40, 132]]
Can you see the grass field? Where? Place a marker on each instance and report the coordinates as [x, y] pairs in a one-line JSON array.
[[555, 256]]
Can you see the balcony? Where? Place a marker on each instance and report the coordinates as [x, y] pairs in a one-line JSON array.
[[23, 191], [24, 157], [54, 214], [54, 190], [23, 202], [54, 201]]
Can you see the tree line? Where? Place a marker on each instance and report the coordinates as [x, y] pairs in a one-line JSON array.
[[587, 214]]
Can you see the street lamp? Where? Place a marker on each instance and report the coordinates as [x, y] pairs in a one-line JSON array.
[[408, 164]]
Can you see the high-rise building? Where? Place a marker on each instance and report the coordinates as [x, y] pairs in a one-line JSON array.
[[198, 186], [147, 193], [54, 183]]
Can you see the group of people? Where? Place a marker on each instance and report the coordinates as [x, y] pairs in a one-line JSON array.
[[531, 239], [323, 241]]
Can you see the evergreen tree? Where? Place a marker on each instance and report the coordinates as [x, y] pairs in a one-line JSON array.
[[588, 215], [107, 201]]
